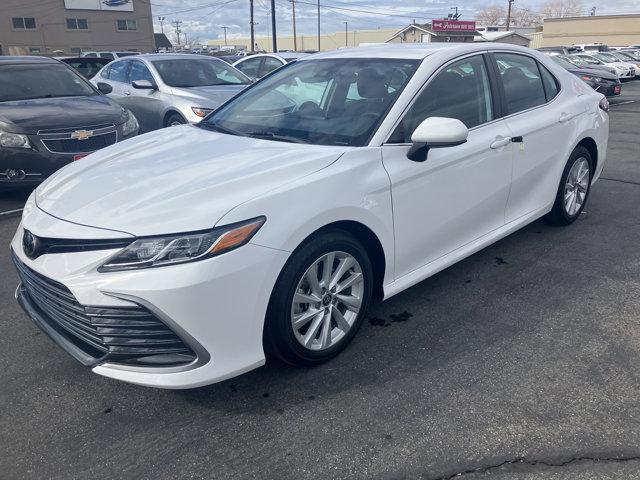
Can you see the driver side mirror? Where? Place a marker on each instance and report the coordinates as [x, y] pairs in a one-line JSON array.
[[144, 85], [436, 132], [105, 88]]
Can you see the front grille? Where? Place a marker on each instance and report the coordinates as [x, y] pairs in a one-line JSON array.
[[72, 146], [130, 335]]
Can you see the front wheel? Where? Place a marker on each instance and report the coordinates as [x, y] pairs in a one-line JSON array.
[[174, 119], [319, 301], [574, 188]]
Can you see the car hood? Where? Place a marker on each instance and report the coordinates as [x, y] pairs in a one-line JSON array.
[[213, 96], [594, 72], [29, 116], [175, 180]]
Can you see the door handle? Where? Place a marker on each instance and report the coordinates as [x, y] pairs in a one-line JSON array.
[[502, 142], [565, 117], [127, 92]]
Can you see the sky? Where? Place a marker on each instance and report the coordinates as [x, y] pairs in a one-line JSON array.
[[203, 19]]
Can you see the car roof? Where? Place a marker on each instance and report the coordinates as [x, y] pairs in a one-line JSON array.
[[413, 50], [6, 60], [169, 56]]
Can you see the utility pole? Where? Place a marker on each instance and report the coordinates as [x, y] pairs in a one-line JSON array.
[[253, 33], [593, 11], [509, 14], [456, 15], [318, 25], [293, 16], [346, 34], [224, 27], [274, 40], [176, 24], [161, 20]]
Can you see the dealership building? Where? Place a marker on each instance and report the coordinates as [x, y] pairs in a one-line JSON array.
[[68, 27], [612, 30]]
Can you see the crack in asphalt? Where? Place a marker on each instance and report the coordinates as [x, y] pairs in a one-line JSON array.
[[630, 182], [537, 463]]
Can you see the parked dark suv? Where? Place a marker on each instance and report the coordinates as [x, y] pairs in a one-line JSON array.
[[50, 116]]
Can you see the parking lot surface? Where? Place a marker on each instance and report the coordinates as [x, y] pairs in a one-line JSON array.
[[517, 363]]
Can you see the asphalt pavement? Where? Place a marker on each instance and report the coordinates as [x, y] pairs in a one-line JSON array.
[[520, 362]]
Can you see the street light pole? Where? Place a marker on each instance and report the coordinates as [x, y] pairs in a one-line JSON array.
[[346, 34], [161, 20], [274, 41], [253, 34]]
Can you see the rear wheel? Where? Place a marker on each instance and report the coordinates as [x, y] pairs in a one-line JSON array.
[[320, 300], [574, 188]]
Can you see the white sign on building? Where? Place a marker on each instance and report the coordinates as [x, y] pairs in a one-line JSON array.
[[121, 5]]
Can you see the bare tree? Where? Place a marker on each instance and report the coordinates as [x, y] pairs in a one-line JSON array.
[[561, 8], [491, 15], [523, 17]]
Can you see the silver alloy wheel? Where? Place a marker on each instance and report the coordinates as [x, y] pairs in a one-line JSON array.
[[576, 186], [175, 123], [327, 300]]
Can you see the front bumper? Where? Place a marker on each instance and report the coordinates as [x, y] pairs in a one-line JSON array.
[[217, 305], [22, 166]]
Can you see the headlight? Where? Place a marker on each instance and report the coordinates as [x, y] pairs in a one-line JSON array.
[[201, 112], [182, 248], [131, 125], [14, 140]]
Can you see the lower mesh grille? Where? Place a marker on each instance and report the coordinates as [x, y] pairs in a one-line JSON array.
[[130, 335]]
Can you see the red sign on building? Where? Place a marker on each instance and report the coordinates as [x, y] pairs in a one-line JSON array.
[[452, 26]]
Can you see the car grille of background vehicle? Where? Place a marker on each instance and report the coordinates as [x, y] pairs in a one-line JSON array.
[[127, 335], [66, 141]]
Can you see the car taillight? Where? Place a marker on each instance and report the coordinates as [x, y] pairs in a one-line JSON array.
[[604, 104]]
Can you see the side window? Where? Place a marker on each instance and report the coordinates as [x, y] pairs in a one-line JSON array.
[[119, 71], [270, 64], [522, 83], [107, 55], [462, 90], [139, 71], [551, 87], [105, 72], [250, 67]]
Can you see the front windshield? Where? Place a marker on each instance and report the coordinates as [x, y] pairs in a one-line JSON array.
[[606, 57], [50, 80], [323, 102], [624, 57], [563, 62], [192, 72]]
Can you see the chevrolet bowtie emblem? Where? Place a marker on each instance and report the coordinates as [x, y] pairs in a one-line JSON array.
[[82, 134]]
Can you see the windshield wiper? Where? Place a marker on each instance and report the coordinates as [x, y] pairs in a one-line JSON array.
[[275, 136], [218, 128]]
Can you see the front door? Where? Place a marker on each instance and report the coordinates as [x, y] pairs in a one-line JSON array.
[[459, 193]]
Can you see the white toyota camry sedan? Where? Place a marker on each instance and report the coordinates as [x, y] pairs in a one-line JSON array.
[[189, 255]]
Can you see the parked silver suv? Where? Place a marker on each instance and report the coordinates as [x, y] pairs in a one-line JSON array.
[[170, 89]]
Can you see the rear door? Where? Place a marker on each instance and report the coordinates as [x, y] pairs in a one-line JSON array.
[[542, 121], [118, 78]]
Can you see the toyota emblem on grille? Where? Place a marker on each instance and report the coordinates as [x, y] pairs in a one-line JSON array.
[[82, 134], [30, 244]]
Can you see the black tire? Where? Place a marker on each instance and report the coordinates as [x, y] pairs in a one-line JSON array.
[[559, 214], [279, 337], [174, 119]]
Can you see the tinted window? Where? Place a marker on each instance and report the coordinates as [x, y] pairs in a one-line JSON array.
[[522, 83], [119, 71], [250, 67], [24, 82], [461, 91], [551, 87], [194, 72], [308, 101], [139, 71], [86, 67], [107, 55], [270, 64]]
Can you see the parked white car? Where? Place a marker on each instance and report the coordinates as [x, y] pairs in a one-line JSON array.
[[624, 70], [179, 258], [257, 66], [109, 55], [164, 90]]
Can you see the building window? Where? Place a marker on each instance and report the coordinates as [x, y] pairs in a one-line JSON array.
[[77, 24], [34, 50], [126, 25], [24, 23]]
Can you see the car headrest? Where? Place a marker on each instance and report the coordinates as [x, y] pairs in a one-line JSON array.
[[371, 84]]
